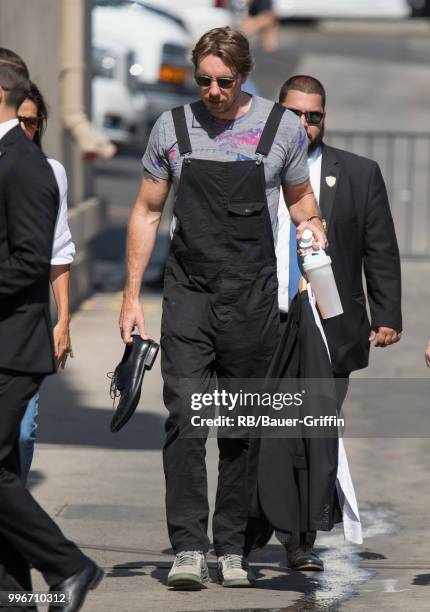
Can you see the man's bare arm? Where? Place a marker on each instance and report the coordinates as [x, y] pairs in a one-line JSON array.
[[302, 205], [142, 231]]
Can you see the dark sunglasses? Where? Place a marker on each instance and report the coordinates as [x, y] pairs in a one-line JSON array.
[[31, 123], [222, 82], [312, 117]]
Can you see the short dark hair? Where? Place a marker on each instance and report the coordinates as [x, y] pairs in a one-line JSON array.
[[14, 77], [7, 56], [35, 95], [305, 84], [229, 45]]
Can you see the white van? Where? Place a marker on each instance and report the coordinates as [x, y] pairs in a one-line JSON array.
[[118, 107], [161, 46]]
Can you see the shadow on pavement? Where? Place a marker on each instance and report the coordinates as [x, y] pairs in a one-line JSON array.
[[64, 420]]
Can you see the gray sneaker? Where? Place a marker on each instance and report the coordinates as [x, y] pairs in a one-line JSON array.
[[189, 570], [234, 571]]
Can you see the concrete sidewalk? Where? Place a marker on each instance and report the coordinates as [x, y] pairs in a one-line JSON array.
[[107, 490]]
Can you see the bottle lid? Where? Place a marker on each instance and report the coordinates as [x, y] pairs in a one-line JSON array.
[[306, 240]]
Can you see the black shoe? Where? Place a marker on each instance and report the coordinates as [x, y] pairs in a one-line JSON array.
[[305, 559], [128, 377], [76, 587]]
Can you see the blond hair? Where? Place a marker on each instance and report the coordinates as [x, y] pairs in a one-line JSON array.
[[229, 45]]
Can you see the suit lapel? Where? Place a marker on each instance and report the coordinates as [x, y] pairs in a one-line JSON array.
[[330, 173]]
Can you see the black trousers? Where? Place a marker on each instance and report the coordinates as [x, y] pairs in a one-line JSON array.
[[207, 336], [27, 534], [292, 541]]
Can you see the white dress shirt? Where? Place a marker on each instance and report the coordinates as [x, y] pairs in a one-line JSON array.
[[63, 248], [6, 126], [283, 239]]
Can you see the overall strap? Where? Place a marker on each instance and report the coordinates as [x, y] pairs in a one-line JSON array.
[[181, 130], [270, 129]]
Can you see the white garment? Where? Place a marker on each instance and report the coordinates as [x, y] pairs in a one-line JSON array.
[[282, 251], [6, 126], [314, 163], [63, 249], [282, 248], [345, 488]]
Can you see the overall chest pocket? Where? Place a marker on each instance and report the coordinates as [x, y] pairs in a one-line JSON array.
[[246, 219]]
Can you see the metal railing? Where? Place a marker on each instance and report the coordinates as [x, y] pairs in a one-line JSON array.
[[404, 159]]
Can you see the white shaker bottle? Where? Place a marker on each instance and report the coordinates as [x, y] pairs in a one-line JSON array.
[[317, 266]]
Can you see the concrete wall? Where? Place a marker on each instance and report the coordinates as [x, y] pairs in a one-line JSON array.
[[32, 29]]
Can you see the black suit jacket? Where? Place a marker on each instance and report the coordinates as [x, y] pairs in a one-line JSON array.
[[28, 210], [361, 237]]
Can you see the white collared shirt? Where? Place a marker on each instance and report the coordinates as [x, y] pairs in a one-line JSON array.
[[63, 248], [314, 163], [6, 126], [283, 237]]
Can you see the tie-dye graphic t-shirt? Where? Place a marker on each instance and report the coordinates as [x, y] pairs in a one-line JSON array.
[[232, 140]]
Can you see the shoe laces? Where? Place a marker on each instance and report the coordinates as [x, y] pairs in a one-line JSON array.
[[114, 392], [187, 557], [235, 562]]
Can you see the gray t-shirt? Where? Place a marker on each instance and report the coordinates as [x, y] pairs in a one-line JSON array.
[[232, 140]]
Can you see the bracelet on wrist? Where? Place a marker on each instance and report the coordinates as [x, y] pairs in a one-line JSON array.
[[323, 221]]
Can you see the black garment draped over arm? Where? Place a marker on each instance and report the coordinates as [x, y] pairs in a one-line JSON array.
[[297, 475]]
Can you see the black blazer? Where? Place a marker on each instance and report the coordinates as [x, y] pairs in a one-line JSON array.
[[29, 201], [361, 237]]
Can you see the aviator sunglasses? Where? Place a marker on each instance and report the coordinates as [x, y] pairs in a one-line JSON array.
[[223, 82], [31, 123], [312, 117]]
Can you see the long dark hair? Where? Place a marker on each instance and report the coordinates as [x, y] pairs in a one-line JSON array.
[[35, 95]]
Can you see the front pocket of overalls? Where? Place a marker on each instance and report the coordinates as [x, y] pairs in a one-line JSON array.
[[246, 219]]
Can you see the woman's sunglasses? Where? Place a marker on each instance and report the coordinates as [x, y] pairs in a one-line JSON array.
[[312, 117], [222, 82], [31, 123]]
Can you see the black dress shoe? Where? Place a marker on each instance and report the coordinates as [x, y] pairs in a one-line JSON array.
[[305, 559], [128, 377], [76, 587]]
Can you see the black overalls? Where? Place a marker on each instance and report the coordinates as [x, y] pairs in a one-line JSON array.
[[220, 320]]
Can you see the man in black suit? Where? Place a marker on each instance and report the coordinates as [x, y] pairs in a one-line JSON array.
[[360, 231], [28, 210]]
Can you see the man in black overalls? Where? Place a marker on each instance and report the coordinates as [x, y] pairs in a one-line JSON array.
[[220, 309]]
